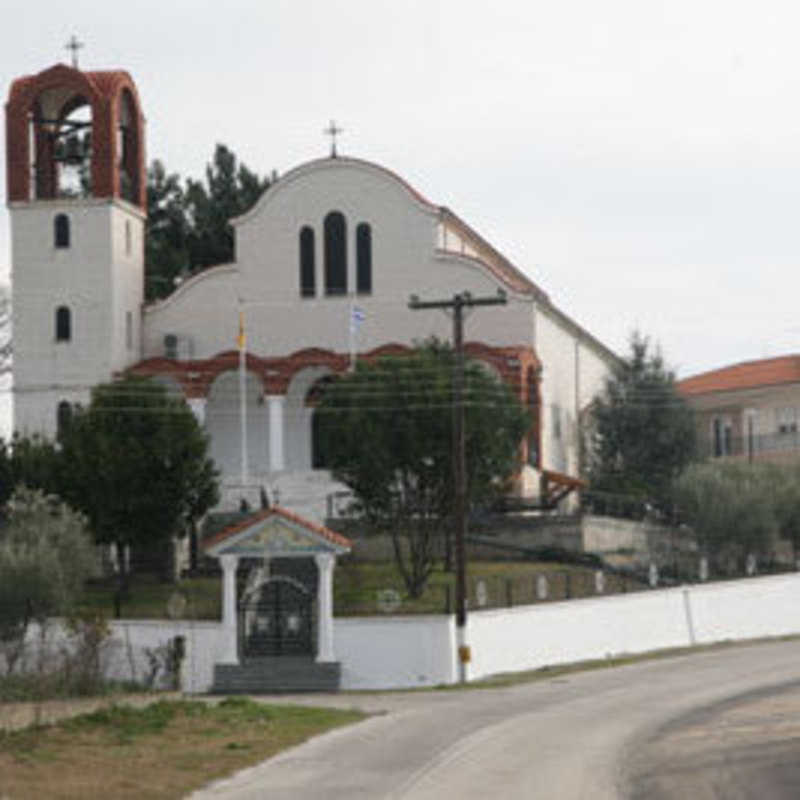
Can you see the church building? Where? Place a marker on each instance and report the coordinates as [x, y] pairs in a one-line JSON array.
[[325, 264]]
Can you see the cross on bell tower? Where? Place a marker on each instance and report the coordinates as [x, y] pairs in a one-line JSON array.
[[74, 45], [333, 130]]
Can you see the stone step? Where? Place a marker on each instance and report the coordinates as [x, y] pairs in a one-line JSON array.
[[274, 675]]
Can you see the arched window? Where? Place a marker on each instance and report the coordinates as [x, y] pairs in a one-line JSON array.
[[63, 418], [307, 280], [335, 253], [61, 230], [63, 324], [364, 258]]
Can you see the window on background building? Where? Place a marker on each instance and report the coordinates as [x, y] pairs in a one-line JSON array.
[[335, 253], [722, 432], [63, 324], [364, 258], [129, 330], [128, 236], [786, 420], [61, 230], [308, 285]]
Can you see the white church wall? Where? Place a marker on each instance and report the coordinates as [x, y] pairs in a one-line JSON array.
[[127, 284], [205, 309], [572, 374], [556, 350], [87, 277], [279, 321]]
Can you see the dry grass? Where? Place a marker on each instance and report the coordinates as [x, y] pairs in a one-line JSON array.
[[164, 751]]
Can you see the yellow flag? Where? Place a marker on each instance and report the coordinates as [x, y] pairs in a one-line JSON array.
[[240, 339]]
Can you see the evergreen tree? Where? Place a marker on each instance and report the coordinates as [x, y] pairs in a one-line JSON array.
[[230, 189], [641, 435], [188, 228], [135, 462], [166, 249]]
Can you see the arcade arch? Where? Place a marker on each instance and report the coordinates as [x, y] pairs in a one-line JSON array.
[[223, 424]]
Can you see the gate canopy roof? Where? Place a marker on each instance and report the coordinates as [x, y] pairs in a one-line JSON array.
[[275, 532]]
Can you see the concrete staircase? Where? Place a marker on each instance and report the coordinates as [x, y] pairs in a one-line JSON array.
[[305, 492], [275, 675]]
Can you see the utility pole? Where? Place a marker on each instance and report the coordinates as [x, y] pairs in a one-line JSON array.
[[457, 304]]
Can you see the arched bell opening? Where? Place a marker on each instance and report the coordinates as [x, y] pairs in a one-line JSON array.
[[61, 132], [128, 148]]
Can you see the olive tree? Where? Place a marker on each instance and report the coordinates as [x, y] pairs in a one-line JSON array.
[[46, 555]]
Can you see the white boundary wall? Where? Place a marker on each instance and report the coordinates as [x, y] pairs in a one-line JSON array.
[[395, 652], [529, 637], [418, 651]]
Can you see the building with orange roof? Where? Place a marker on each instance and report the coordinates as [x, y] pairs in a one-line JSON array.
[[748, 410]]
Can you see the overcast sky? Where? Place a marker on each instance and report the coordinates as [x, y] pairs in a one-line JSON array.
[[639, 160]]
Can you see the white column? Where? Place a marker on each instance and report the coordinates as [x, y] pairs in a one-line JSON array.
[[230, 650], [277, 404], [325, 564], [198, 406]]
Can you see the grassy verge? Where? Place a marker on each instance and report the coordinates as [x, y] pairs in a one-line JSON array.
[[163, 751], [358, 587]]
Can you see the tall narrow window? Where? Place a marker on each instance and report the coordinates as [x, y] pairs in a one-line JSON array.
[[63, 418], [63, 324], [129, 330], [61, 230], [127, 237], [335, 253], [364, 258], [307, 280]]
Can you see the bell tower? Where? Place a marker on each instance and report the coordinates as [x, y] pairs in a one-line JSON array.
[[76, 193]]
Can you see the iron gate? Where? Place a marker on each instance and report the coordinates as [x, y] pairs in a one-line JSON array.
[[276, 619]]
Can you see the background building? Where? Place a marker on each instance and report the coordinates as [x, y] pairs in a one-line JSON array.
[[748, 410]]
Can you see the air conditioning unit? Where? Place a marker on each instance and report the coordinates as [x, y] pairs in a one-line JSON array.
[[178, 347]]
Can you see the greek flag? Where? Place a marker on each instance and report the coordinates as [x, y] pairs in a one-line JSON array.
[[357, 316]]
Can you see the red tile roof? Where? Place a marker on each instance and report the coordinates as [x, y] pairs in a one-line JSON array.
[[746, 375], [253, 519]]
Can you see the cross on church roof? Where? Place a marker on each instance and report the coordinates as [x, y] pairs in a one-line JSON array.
[[74, 45], [333, 131]]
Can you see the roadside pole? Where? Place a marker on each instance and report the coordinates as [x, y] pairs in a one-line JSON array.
[[457, 305]]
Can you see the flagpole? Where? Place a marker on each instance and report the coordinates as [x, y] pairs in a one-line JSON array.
[[351, 325], [241, 342]]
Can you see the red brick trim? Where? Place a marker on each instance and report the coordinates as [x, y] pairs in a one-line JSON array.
[[276, 373]]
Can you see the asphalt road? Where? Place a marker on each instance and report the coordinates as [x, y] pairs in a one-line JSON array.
[[716, 724]]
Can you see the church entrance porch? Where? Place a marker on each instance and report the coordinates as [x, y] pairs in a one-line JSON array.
[[278, 634]]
